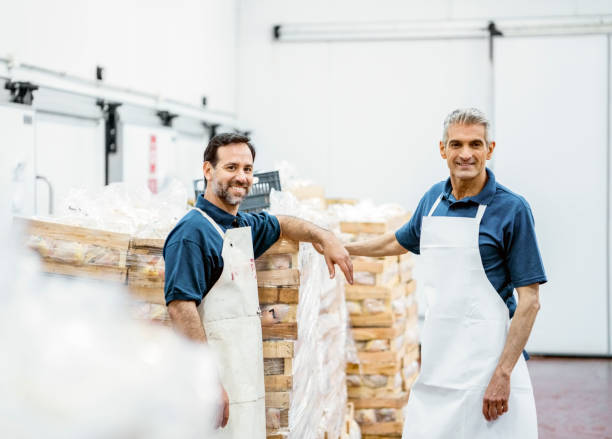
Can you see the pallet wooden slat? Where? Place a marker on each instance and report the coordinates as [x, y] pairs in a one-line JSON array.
[[278, 278], [278, 349]]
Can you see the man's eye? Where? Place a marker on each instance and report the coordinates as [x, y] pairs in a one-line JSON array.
[[248, 170], [230, 168]]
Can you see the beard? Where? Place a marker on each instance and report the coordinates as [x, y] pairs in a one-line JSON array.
[[223, 192]]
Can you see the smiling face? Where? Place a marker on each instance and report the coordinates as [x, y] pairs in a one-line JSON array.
[[232, 177], [466, 151]]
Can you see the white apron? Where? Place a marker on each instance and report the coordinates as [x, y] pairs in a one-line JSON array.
[[230, 315], [462, 340]]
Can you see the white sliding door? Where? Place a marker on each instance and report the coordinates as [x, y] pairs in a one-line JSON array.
[[551, 129]]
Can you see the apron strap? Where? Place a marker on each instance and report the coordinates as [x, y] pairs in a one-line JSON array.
[[215, 225], [480, 213], [433, 208]]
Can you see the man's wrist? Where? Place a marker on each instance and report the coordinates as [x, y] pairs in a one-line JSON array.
[[503, 372]]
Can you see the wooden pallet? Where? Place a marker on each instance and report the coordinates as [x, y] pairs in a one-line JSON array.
[[381, 227], [48, 238], [374, 265], [372, 306]]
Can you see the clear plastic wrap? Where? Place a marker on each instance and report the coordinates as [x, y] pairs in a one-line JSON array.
[[366, 211], [319, 392], [319, 362], [117, 208], [75, 364]]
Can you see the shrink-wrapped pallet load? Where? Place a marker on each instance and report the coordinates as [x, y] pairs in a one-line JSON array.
[[305, 331]]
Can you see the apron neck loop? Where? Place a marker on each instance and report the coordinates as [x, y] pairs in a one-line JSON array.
[[479, 214], [214, 224]]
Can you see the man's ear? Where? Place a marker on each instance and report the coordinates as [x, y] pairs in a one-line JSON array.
[[207, 167], [491, 148], [442, 150]]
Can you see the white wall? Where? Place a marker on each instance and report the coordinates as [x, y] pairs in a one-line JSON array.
[[364, 118], [183, 50]]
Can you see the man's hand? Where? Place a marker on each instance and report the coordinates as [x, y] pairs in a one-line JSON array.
[[495, 401], [324, 241], [223, 409], [335, 253]]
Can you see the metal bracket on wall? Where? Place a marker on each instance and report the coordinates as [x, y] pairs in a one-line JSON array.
[[111, 117], [166, 117], [493, 32], [211, 127], [21, 92], [109, 111]]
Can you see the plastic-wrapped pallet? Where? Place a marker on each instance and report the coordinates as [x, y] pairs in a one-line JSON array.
[[305, 330]]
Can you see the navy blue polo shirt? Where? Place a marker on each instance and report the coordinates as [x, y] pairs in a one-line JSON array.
[[192, 251], [507, 239]]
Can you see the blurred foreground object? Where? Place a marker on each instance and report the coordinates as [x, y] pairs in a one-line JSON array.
[[77, 365]]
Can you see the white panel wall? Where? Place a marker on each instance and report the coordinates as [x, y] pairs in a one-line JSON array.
[[70, 154], [551, 111], [182, 50], [189, 159], [363, 119], [16, 161]]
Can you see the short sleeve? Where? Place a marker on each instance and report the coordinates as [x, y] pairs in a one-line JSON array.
[[409, 235], [522, 253], [185, 272], [265, 230]]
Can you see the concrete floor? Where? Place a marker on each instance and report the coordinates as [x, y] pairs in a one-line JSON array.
[[573, 397]]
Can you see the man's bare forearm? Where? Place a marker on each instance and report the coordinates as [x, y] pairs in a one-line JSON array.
[[298, 229], [186, 320], [520, 328], [386, 245]]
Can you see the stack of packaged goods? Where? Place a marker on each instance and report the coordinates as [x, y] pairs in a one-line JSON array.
[[304, 332], [145, 279], [77, 251], [383, 317], [278, 284]]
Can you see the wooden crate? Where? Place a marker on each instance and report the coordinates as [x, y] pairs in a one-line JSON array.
[[377, 228], [146, 270], [278, 288], [375, 271], [380, 416], [373, 306], [278, 378], [278, 266], [77, 251], [308, 192]]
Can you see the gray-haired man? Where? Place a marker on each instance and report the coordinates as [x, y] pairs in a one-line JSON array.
[[478, 242]]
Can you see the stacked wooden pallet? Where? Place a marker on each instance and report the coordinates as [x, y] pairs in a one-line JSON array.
[[383, 319], [304, 344], [145, 279], [310, 363], [278, 284]]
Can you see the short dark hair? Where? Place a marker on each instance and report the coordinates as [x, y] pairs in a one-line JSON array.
[[224, 139]]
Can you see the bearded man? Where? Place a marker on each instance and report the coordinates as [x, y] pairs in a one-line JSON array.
[[211, 284]]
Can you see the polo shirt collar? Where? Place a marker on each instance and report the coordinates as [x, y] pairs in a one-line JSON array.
[[485, 196], [219, 215]]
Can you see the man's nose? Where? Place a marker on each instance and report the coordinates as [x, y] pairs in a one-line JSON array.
[[465, 153], [241, 177]]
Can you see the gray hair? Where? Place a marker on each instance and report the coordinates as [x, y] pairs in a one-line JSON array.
[[466, 116]]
